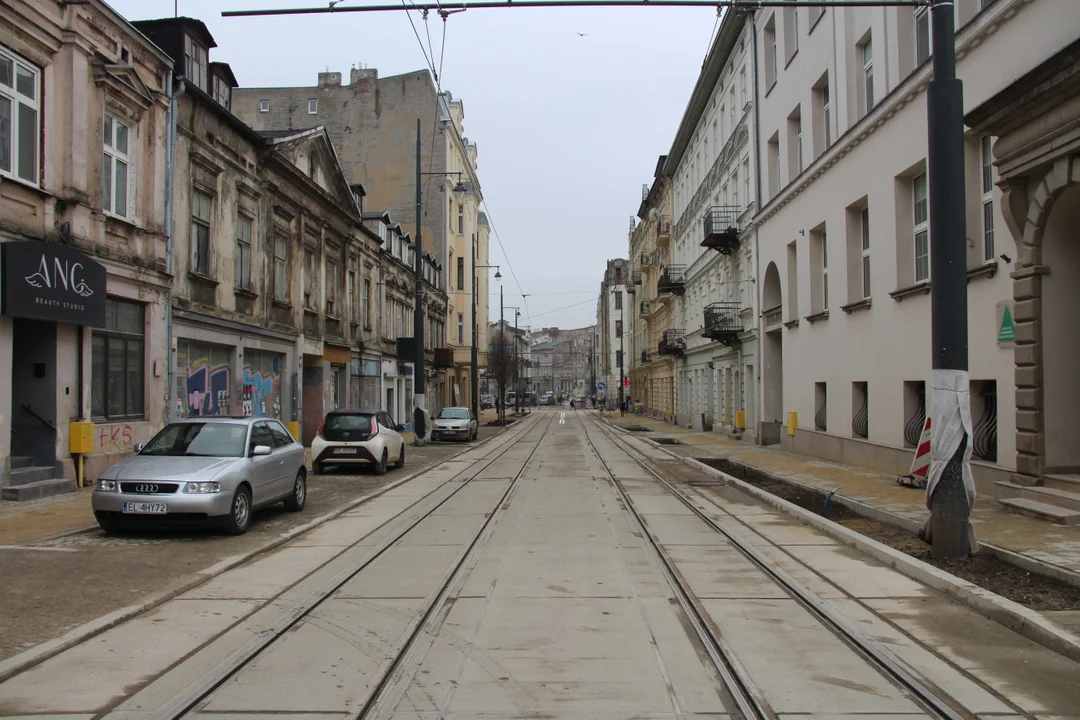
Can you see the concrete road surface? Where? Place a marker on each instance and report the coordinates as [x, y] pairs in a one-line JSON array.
[[548, 573]]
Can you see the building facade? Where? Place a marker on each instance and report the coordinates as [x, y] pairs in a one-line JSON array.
[[612, 316], [83, 166], [372, 123], [844, 226]]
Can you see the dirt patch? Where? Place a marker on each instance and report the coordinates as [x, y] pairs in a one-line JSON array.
[[666, 441], [637, 428], [1032, 590]]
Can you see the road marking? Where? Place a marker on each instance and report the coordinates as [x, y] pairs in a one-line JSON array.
[[562, 418]]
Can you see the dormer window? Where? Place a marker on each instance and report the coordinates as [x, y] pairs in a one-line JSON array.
[[221, 91], [195, 62]]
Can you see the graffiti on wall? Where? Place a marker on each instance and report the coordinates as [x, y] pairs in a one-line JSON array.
[[207, 389], [260, 390], [116, 437]]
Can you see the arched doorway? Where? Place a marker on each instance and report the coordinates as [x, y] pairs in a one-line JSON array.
[[773, 357], [1061, 331]]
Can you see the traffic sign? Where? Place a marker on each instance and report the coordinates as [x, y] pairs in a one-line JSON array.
[[626, 382], [601, 386]]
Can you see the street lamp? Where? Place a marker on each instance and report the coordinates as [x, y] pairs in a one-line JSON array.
[[475, 374], [517, 314], [419, 410]]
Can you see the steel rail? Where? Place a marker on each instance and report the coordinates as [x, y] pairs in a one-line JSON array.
[[881, 657], [204, 689]]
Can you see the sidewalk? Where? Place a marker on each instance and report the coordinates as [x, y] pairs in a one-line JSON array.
[[1057, 546]]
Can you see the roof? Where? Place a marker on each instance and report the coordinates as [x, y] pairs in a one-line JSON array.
[[381, 215], [198, 26], [225, 71]]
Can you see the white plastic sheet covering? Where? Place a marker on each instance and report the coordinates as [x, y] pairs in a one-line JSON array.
[[951, 414]]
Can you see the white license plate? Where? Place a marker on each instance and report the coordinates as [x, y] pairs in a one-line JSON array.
[[345, 451], [146, 508]]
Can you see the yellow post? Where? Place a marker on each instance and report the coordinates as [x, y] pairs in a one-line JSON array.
[[740, 419], [294, 428], [80, 442], [792, 422]]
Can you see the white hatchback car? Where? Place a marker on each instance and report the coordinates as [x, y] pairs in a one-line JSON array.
[[358, 437]]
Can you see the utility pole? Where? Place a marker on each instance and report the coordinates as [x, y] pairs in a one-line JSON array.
[[517, 380], [474, 373], [419, 413], [949, 507], [502, 358]]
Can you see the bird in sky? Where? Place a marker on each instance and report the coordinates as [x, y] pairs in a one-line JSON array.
[[581, 34]]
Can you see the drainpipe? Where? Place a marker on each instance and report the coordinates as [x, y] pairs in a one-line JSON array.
[[759, 391], [170, 183]]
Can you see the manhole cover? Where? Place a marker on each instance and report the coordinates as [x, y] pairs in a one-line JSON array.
[[666, 441]]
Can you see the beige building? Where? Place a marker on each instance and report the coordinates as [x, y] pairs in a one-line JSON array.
[[83, 166], [372, 123], [614, 311], [844, 234]]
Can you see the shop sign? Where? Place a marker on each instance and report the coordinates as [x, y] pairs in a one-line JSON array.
[[51, 281]]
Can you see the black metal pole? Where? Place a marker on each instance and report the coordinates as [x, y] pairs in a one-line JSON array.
[[502, 357], [948, 268], [474, 384], [517, 377], [419, 425]]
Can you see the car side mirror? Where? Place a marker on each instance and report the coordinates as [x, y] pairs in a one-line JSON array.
[[138, 448], [261, 450], [399, 428]]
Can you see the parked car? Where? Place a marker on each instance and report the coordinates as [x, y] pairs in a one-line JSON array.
[[455, 423], [510, 398], [209, 468], [357, 437], [487, 402]]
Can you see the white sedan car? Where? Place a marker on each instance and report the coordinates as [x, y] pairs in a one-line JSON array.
[[358, 437]]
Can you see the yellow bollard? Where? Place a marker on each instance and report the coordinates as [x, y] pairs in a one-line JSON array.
[[294, 428], [792, 422]]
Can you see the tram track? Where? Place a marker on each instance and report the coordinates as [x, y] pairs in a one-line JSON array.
[[197, 696], [751, 703]]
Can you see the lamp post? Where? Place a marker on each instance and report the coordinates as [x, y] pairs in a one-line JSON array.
[[419, 410], [514, 379], [475, 373]]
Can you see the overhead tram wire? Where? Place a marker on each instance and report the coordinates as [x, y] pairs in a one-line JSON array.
[[451, 6]]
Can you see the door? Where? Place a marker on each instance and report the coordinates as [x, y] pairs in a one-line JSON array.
[[33, 390], [292, 456], [266, 470]]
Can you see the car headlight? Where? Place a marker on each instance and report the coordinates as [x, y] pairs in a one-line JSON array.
[[106, 485], [200, 488]]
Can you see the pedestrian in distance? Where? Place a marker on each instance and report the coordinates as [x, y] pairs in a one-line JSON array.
[[572, 404]]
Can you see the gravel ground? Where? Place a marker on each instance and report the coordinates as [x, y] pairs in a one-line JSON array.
[[52, 586]]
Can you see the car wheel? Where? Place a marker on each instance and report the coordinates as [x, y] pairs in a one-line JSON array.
[[401, 458], [380, 467], [296, 501], [317, 468], [109, 525], [239, 517]]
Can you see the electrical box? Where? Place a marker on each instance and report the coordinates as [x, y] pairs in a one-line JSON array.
[[81, 438]]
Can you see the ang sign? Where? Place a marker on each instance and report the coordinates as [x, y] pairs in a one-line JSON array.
[[50, 281]]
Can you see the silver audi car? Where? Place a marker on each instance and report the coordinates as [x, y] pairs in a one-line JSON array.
[[209, 468]]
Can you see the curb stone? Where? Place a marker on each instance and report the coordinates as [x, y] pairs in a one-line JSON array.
[[38, 654], [1024, 621]]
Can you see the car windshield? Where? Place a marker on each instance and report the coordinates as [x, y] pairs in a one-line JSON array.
[[453, 414], [352, 421], [198, 439]]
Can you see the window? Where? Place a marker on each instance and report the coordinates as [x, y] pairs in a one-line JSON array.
[[618, 328], [770, 52], [281, 267], [19, 125], [351, 296], [742, 87], [816, 14], [312, 107], [367, 304], [460, 329], [195, 63], [200, 233], [824, 270], [864, 229], [746, 180], [922, 229], [791, 33], [735, 188], [264, 106], [116, 362], [243, 252], [826, 106], [331, 288], [868, 75], [618, 300], [774, 165], [795, 156], [309, 279], [221, 91], [461, 219], [117, 188], [987, 187], [922, 35], [461, 273]]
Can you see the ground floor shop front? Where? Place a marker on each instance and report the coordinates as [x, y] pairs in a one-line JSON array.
[[717, 389]]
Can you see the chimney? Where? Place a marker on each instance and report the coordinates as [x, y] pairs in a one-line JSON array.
[[329, 79], [363, 73]]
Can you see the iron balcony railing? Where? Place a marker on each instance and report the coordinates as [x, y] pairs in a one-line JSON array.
[[672, 342], [672, 280], [723, 322], [721, 228]]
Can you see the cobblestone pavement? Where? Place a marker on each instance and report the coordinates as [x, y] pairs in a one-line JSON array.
[[54, 585]]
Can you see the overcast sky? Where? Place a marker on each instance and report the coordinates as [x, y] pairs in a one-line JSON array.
[[568, 127]]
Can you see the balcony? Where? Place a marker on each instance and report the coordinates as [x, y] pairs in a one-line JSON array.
[[723, 323], [646, 357], [722, 229], [773, 318], [444, 358], [672, 280], [663, 229], [648, 259], [646, 308], [672, 343], [635, 277]]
